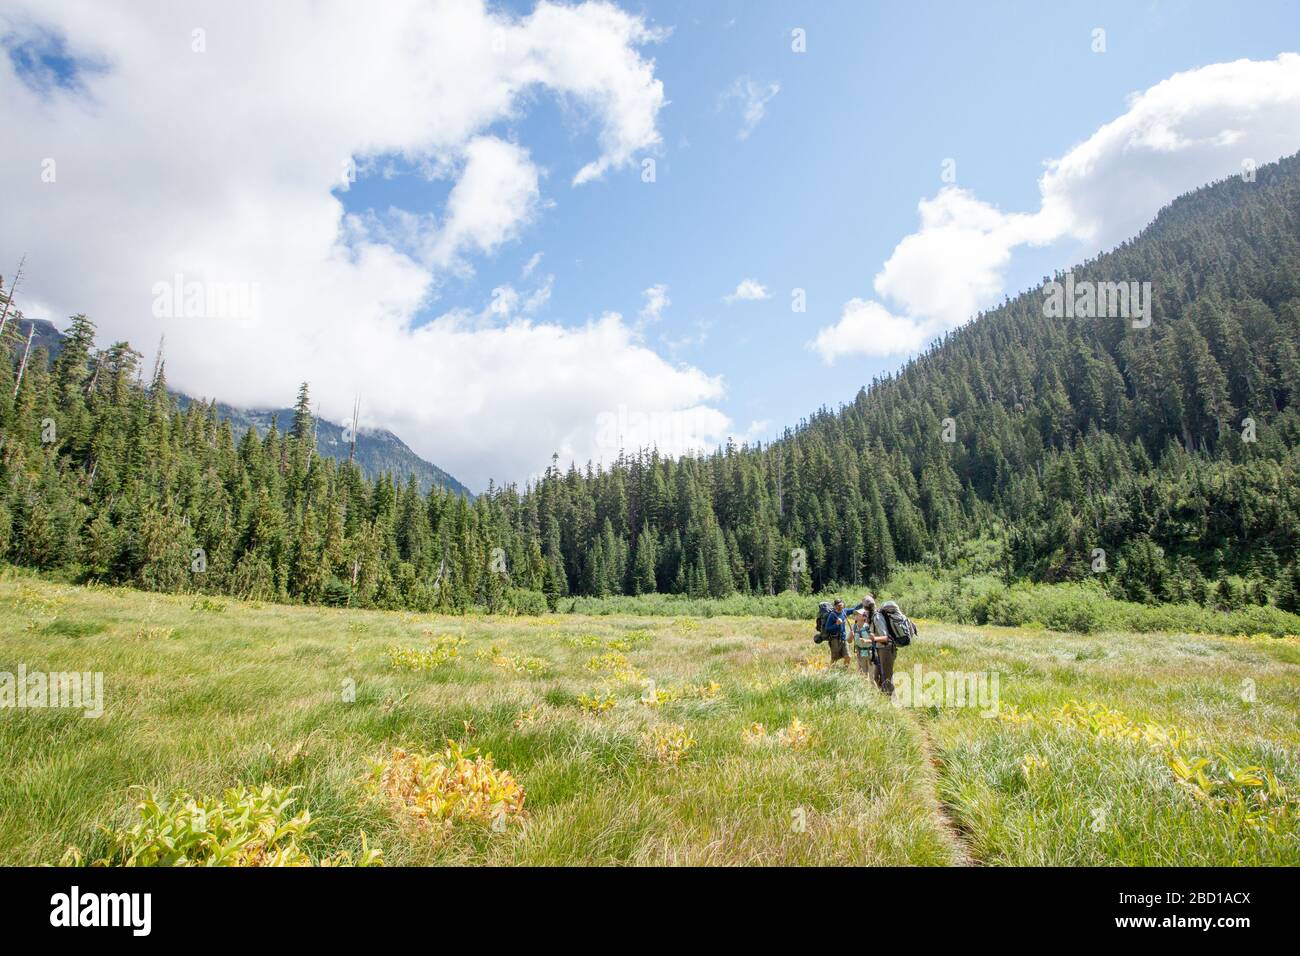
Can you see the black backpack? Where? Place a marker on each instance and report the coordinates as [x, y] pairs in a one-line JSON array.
[[823, 609], [901, 630]]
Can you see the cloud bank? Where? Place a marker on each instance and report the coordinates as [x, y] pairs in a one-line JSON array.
[[210, 144], [1183, 132]]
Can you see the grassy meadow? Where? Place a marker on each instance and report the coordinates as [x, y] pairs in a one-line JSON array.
[[637, 739]]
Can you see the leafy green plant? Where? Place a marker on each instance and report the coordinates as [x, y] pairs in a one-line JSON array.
[[667, 744], [452, 786], [1004, 607], [597, 702], [439, 651], [1252, 797], [246, 826], [524, 601], [521, 664]]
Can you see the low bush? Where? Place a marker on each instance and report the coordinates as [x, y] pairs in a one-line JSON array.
[[982, 599], [524, 601], [1004, 607], [453, 786], [244, 827]]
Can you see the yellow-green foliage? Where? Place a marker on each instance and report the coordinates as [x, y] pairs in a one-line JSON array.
[[280, 696], [1250, 796], [1104, 723], [246, 826], [528, 717], [616, 665], [439, 651], [817, 661], [796, 736], [668, 743], [629, 641], [609, 661], [522, 665], [655, 695], [456, 785], [597, 702], [1032, 765]]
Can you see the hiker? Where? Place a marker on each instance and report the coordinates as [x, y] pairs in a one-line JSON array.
[[835, 627], [860, 636], [898, 632], [871, 644]]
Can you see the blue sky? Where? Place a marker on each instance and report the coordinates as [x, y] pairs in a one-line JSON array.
[[159, 147], [817, 195]]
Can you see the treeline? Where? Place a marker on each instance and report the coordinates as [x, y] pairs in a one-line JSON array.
[[106, 478], [1159, 461]]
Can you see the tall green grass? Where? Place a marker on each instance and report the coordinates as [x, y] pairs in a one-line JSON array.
[[201, 698]]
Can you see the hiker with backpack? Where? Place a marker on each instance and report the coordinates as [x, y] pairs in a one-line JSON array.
[[832, 627], [898, 632], [868, 635]]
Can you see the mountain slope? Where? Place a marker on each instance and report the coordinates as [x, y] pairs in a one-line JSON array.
[[1160, 461], [378, 451]]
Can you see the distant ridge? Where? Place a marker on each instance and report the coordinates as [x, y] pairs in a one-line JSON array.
[[379, 451]]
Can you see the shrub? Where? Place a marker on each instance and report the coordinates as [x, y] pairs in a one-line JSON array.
[[1256, 620], [453, 786], [1003, 607], [982, 598], [336, 593], [245, 827], [667, 744], [1077, 614], [524, 601]]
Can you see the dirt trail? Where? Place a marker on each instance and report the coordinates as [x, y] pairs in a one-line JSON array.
[[960, 840]]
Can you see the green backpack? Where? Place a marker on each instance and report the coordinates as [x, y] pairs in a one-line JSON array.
[[901, 630]]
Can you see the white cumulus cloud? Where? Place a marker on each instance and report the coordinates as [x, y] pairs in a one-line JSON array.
[[747, 290], [1185, 131], [224, 167], [867, 328]]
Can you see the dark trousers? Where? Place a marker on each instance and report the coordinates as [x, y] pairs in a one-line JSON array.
[[839, 651], [882, 675]]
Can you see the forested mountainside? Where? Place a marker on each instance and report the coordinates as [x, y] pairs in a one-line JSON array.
[[378, 451], [1170, 448]]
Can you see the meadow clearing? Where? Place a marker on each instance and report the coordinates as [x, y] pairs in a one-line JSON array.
[[636, 740]]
